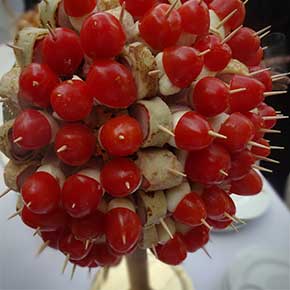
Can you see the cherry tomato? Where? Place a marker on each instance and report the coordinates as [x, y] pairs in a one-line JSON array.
[[191, 210], [101, 28], [223, 8], [192, 132], [217, 203], [251, 184], [182, 65], [81, 195], [78, 142], [52, 238], [206, 166], [196, 238], [36, 83], [264, 77], [71, 100], [248, 99], [123, 229], [76, 249], [52, 221], [217, 224], [87, 261], [267, 111], [220, 53], [167, 29], [42, 192], [210, 97], [121, 136], [195, 17], [137, 8], [261, 151], [120, 177], [239, 131], [37, 51], [103, 255], [34, 129], [76, 8], [62, 51], [254, 58], [111, 84], [241, 163], [173, 252], [243, 43], [89, 227]]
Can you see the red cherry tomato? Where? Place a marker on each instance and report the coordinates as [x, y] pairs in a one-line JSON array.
[[241, 163], [137, 8], [167, 29], [220, 53], [78, 142], [267, 111], [103, 255], [120, 177], [195, 17], [36, 83], [264, 77], [62, 51], [254, 58], [111, 84], [81, 195], [42, 192], [248, 99], [206, 166], [182, 65], [78, 8], [52, 238], [76, 249], [121, 136], [33, 128], [89, 227], [123, 229], [71, 100], [258, 123], [210, 97], [191, 210], [87, 261], [101, 28], [243, 43], [37, 51], [172, 252], [192, 132], [217, 224], [52, 221], [223, 8], [196, 238], [261, 151], [217, 203], [239, 131], [251, 184]]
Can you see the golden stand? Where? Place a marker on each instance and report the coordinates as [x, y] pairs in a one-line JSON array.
[[136, 273]]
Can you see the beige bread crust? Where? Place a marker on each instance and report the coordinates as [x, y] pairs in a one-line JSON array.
[[104, 5], [149, 237], [48, 12], [235, 67]]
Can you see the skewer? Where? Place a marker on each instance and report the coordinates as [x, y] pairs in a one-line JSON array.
[[274, 93], [265, 47], [164, 129], [239, 220], [234, 228], [232, 34], [205, 223], [237, 91], [5, 192], [73, 271], [255, 166], [15, 47], [62, 149], [217, 135], [42, 247], [176, 172], [252, 143], [204, 52], [166, 228], [265, 34], [266, 159], [67, 257], [280, 75], [15, 214], [206, 252], [277, 147], [50, 29], [213, 30], [173, 5], [270, 131], [87, 244], [17, 140], [153, 72], [227, 215], [259, 71], [263, 30], [224, 173], [278, 117], [245, 2], [124, 240], [37, 231], [225, 19], [123, 8]]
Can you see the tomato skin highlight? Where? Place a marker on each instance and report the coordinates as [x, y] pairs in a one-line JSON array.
[[100, 28], [76, 8], [182, 65], [63, 52], [111, 84], [167, 30], [81, 195], [36, 83], [191, 210], [42, 191], [121, 136], [122, 222]]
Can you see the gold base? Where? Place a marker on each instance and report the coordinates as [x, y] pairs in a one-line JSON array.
[[162, 277]]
